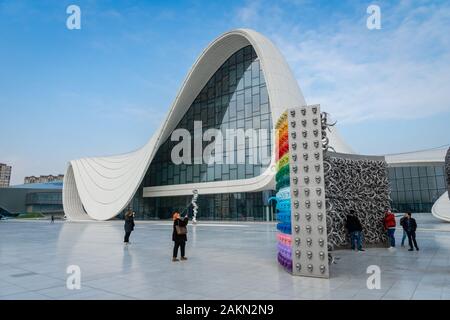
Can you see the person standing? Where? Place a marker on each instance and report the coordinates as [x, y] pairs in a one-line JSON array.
[[52, 219], [389, 226], [402, 223], [179, 235], [354, 229], [129, 226], [411, 226]]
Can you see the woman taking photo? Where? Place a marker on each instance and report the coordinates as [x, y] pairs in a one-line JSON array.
[[129, 226], [179, 235]]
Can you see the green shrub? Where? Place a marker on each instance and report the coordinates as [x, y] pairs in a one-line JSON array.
[[30, 215]]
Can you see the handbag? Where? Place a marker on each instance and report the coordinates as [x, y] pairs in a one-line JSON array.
[[181, 230]]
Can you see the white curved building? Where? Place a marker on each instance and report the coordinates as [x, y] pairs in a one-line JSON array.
[[240, 80]]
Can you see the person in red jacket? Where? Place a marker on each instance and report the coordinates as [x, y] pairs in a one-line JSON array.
[[389, 226]]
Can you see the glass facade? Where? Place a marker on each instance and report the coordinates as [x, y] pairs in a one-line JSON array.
[[416, 188], [250, 206], [235, 97], [44, 202]]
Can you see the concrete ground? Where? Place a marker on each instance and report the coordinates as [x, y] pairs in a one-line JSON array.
[[226, 261]]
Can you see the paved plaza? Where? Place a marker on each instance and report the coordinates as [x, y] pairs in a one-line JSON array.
[[226, 261]]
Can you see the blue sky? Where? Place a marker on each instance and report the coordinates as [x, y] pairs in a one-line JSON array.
[[101, 90]]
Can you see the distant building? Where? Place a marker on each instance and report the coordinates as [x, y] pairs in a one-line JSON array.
[[5, 175], [44, 179], [45, 198]]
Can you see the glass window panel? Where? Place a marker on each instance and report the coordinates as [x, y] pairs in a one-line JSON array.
[[264, 95], [408, 184], [256, 122], [265, 124], [211, 173], [248, 95], [189, 173], [233, 174], [393, 185], [262, 79], [391, 173], [406, 172], [440, 182], [248, 79], [414, 171], [248, 110], [239, 56], [232, 78], [415, 183], [417, 197], [439, 170], [217, 172], [399, 172], [265, 108], [408, 196], [432, 182], [422, 171], [255, 69], [240, 102], [255, 103], [232, 109], [434, 195], [241, 171], [425, 196], [423, 183], [430, 171]]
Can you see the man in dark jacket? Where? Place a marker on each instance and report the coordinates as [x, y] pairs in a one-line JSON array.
[[402, 223], [354, 229], [410, 228], [129, 226], [179, 235]]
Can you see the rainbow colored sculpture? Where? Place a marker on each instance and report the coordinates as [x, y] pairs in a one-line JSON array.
[[283, 196]]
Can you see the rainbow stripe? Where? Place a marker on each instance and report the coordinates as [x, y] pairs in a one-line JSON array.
[[283, 196]]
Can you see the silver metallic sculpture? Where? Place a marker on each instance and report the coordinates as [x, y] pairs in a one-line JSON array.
[[360, 185], [357, 184], [194, 205]]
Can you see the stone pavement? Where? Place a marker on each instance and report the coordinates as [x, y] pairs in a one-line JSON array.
[[226, 261]]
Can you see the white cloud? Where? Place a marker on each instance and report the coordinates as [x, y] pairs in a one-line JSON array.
[[401, 71], [248, 13]]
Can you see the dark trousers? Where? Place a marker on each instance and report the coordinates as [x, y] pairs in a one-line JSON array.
[[412, 239], [355, 238], [179, 244], [127, 236], [391, 237]]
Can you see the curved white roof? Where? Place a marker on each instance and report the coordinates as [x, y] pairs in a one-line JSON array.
[[422, 156], [101, 187]]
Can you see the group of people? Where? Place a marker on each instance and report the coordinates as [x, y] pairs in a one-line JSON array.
[[407, 222], [353, 225], [179, 233]]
